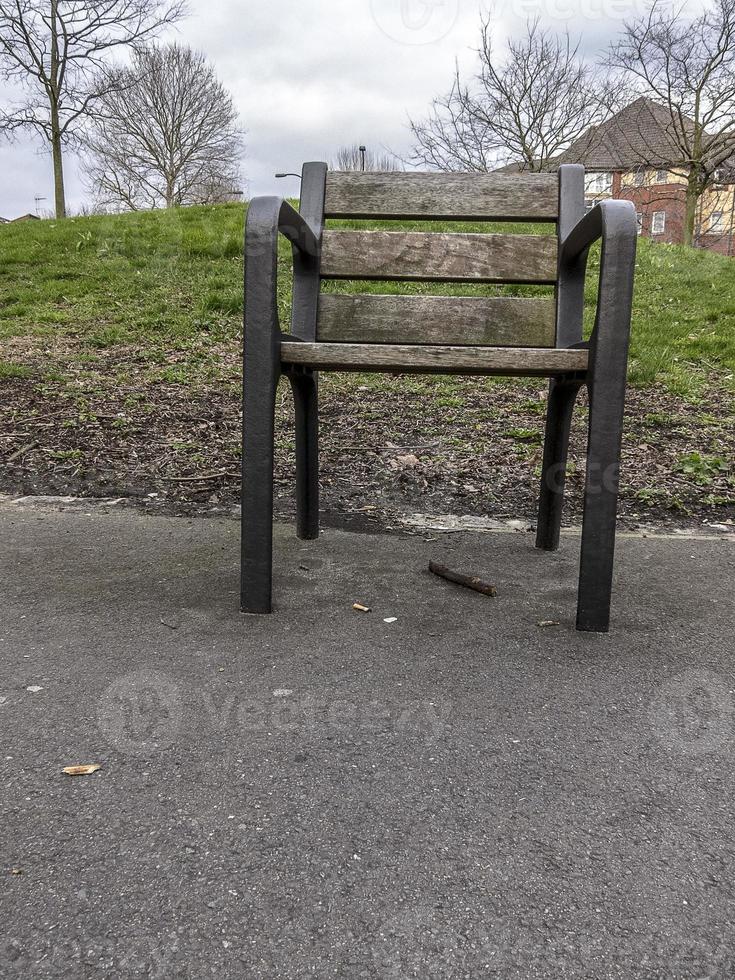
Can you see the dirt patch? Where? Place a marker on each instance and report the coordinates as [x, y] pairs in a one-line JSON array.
[[388, 447]]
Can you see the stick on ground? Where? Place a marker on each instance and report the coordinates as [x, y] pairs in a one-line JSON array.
[[468, 581]]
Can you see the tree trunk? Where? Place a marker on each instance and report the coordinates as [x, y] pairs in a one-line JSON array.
[[690, 210], [56, 153]]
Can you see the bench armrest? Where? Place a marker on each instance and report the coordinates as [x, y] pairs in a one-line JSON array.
[[268, 217], [615, 223]]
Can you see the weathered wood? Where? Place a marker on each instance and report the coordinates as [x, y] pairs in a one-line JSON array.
[[497, 321], [501, 197], [434, 257], [434, 360]]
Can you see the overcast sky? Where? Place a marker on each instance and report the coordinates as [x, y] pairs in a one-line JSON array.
[[310, 75]]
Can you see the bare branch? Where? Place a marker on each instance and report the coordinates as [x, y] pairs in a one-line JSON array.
[[54, 50], [352, 158], [525, 108], [687, 66], [165, 133]]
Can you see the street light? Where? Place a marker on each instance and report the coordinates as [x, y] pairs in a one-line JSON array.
[[289, 175]]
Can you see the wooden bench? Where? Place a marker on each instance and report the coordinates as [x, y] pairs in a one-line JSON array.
[[472, 335]]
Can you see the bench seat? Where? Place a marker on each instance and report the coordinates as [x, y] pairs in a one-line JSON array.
[[516, 361]]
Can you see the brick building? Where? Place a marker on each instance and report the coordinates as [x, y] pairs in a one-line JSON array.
[[634, 157]]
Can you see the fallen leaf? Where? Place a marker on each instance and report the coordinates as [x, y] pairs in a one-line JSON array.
[[81, 770], [16, 871], [404, 462]]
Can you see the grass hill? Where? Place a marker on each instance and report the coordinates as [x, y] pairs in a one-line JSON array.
[[120, 346], [171, 279]]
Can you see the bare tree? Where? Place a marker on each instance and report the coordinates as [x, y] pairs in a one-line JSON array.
[[524, 109], [52, 50], [351, 158], [688, 67], [166, 133]]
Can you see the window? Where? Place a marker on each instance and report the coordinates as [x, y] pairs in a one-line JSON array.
[[639, 177], [598, 183], [661, 176], [658, 222], [639, 221], [716, 224]]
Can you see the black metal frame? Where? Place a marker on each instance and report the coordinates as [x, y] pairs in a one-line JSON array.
[[611, 221], [614, 222], [267, 218]]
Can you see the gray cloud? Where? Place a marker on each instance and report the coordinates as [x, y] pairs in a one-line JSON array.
[[25, 173], [310, 75]]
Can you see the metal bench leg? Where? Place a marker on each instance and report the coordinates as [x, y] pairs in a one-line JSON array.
[[306, 408], [562, 395], [259, 394], [607, 398]]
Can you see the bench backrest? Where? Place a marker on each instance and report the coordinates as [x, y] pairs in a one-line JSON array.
[[428, 256]]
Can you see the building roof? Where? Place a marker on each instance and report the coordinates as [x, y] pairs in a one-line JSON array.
[[27, 217], [640, 134]]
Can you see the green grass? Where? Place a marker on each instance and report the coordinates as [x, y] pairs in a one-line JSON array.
[[166, 282], [9, 370]]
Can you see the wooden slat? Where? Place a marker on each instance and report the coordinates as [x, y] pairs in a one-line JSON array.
[[434, 196], [433, 257], [434, 360], [496, 321]]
